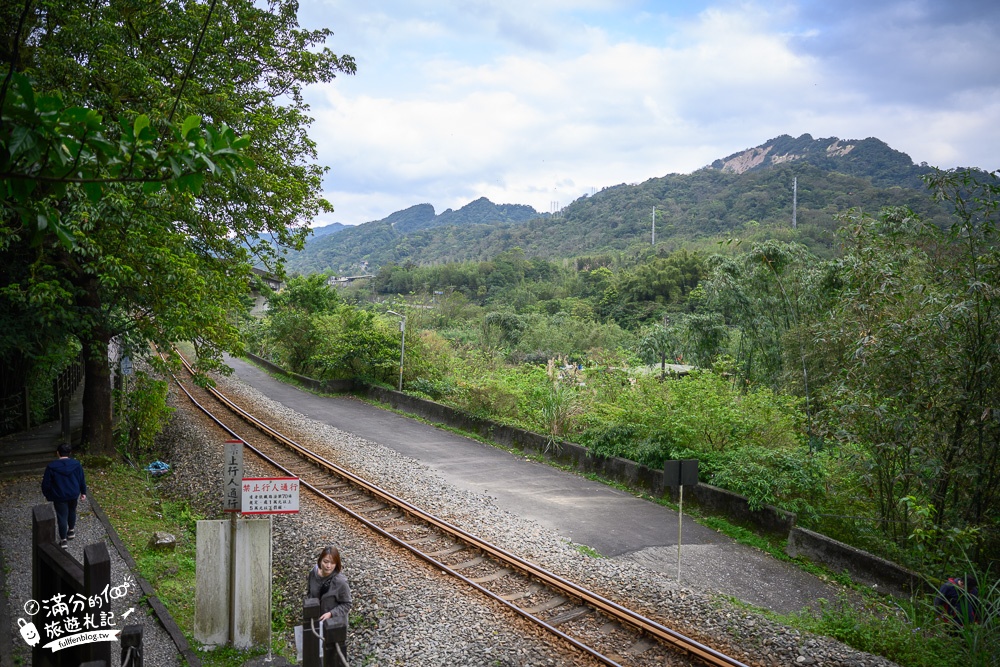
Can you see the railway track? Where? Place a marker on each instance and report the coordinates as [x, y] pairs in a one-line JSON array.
[[585, 621]]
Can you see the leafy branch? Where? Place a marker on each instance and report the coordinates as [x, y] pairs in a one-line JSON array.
[[45, 147]]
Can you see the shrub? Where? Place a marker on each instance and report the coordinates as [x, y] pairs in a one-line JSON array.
[[792, 479], [143, 412], [487, 402]]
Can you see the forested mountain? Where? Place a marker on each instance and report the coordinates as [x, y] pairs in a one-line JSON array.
[[380, 241], [869, 158], [746, 194], [327, 229]]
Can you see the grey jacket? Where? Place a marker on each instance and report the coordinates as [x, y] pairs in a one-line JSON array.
[[333, 592]]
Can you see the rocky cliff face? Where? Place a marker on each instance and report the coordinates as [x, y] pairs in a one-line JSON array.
[[867, 158], [784, 149]]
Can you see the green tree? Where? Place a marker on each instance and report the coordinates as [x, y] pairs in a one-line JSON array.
[[919, 324], [170, 265], [766, 293], [659, 344], [293, 320]]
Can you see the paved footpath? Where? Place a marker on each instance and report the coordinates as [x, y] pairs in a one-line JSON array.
[[614, 523], [139, 605]]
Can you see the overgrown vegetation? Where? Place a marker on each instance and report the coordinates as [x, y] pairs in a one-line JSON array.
[[857, 390], [142, 407]]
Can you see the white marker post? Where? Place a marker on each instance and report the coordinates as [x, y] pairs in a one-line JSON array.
[[270, 495], [678, 474]]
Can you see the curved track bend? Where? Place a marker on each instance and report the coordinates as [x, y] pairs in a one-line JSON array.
[[606, 631]]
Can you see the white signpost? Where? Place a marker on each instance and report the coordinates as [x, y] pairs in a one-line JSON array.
[[232, 476], [233, 587]]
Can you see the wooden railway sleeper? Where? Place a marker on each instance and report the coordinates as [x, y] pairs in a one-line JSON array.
[[449, 551], [643, 625], [469, 563], [551, 603], [570, 615], [533, 588], [641, 646], [499, 574], [370, 506]]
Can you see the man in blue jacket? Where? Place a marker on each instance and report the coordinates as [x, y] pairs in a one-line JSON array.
[[64, 483]]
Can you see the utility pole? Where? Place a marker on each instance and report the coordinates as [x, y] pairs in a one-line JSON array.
[[654, 226], [402, 344], [795, 199]]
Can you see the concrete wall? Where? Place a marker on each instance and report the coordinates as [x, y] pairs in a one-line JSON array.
[[839, 557], [321, 386], [862, 566]]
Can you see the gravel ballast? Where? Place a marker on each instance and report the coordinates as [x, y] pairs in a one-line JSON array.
[[406, 612]]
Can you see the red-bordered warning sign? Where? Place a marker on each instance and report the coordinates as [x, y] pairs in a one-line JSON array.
[[270, 495]]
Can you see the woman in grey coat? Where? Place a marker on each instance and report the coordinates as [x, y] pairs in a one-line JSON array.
[[328, 583]]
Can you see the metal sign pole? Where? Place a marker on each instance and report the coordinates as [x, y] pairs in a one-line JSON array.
[[231, 476], [680, 520], [679, 474]]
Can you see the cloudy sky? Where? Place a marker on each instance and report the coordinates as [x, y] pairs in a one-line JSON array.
[[544, 101]]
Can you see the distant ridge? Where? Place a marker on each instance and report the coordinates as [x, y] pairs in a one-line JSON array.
[[867, 158], [327, 229], [747, 194]]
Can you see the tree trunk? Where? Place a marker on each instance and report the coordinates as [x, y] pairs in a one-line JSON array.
[[97, 438]]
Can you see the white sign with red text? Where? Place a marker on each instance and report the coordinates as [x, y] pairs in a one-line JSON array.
[[270, 495]]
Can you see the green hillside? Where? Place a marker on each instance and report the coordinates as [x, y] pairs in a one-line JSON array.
[[746, 194]]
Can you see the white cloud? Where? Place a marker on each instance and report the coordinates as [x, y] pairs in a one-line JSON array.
[[521, 123]]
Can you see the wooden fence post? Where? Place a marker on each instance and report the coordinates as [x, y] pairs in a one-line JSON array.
[[66, 428], [96, 580], [131, 639], [310, 626], [43, 580], [55, 574], [335, 646]]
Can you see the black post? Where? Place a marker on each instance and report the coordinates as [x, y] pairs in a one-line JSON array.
[[335, 646], [131, 638], [43, 531], [53, 571], [310, 642], [97, 577]]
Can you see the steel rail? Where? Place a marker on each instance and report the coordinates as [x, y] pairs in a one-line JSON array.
[[612, 609], [396, 540]]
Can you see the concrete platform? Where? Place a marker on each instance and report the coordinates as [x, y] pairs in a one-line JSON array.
[[614, 523]]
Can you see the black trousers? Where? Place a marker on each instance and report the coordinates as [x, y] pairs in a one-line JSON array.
[[65, 516]]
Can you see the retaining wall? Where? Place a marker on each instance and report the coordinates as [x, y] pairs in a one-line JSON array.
[[863, 567], [839, 557], [322, 386]]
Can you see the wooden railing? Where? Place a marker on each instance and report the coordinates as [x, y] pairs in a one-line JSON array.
[[334, 639], [59, 579]]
